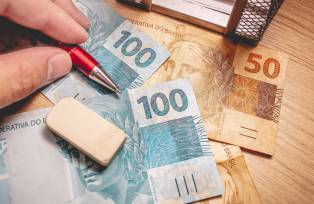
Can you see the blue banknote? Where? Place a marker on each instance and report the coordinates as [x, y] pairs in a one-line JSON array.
[[128, 55], [166, 157]]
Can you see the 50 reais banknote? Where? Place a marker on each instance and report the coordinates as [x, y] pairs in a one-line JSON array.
[[166, 158]]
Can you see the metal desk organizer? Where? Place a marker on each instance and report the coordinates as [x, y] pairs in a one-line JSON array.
[[243, 20]]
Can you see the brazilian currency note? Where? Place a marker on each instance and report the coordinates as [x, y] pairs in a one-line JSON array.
[[31, 168], [180, 166], [166, 158], [127, 54], [235, 175]]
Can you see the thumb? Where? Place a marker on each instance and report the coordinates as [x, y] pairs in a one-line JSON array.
[[24, 71]]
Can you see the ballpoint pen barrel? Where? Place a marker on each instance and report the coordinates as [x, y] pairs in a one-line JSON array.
[[89, 66], [80, 58]]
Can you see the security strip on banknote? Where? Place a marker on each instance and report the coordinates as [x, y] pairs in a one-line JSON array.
[[166, 158]]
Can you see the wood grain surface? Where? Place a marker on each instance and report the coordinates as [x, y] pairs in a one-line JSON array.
[[288, 176]]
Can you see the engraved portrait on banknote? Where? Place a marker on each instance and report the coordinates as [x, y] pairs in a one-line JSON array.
[[210, 71]]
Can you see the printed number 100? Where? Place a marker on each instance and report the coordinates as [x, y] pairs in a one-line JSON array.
[[165, 103], [125, 41]]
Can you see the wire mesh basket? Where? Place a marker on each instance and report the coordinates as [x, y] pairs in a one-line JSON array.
[[254, 20]]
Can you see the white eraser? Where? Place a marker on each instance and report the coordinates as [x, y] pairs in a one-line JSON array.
[[85, 130]]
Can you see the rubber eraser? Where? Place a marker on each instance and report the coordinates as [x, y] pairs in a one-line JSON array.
[[85, 130]]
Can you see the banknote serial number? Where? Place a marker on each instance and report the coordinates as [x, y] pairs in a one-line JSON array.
[[132, 46], [257, 66], [167, 102]]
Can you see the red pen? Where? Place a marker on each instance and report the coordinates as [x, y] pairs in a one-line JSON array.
[[89, 66]]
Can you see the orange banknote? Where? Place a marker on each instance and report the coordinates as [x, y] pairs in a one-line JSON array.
[[235, 176]]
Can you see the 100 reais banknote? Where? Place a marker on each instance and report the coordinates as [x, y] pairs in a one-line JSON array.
[[166, 158], [128, 55]]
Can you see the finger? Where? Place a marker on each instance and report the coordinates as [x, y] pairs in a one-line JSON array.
[[25, 71], [73, 11], [45, 16]]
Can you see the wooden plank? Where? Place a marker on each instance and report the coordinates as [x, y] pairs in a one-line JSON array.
[[196, 13]]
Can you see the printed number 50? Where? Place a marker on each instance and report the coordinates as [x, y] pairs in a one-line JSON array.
[[257, 66], [136, 50], [165, 102]]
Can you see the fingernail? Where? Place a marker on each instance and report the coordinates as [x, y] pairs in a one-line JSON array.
[[58, 66], [82, 37], [85, 22]]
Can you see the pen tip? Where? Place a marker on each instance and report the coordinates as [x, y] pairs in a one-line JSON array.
[[118, 91]]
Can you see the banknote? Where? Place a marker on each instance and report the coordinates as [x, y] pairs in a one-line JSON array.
[[166, 158], [181, 166], [235, 176], [239, 89], [128, 55], [32, 170]]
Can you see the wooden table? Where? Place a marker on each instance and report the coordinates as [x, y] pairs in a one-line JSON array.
[[287, 177]]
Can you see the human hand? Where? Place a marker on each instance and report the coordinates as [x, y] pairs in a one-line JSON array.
[[22, 72]]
